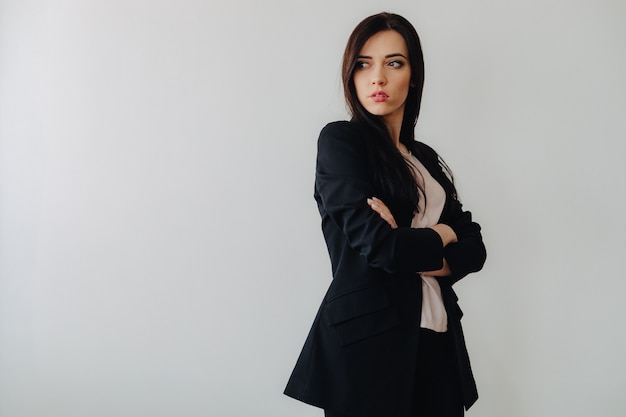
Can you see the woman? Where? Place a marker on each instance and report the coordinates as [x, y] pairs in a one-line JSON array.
[[387, 339]]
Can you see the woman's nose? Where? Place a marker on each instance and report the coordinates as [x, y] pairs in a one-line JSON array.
[[378, 78]]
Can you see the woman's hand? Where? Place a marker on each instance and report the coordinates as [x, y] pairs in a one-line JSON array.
[[443, 272], [383, 211]]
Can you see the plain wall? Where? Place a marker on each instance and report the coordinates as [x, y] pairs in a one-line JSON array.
[[160, 249]]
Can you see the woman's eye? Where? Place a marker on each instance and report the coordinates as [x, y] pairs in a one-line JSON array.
[[396, 64], [361, 65]]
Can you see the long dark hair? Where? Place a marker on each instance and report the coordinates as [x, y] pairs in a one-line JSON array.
[[392, 171]]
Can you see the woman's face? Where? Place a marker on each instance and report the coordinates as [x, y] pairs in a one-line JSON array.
[[383, 76]]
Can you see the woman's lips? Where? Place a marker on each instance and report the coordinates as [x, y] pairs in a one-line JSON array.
[[379, 96]]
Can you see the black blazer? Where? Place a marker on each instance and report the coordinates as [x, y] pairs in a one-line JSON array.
[[359, 356]]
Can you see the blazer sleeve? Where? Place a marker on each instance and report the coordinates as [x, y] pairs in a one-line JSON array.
[[468, 254], [343, 182]]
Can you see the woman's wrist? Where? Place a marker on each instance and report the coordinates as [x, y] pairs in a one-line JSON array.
[[446, 233]]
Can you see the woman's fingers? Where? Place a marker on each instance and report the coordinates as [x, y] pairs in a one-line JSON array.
[[377, 204], [383, 211]]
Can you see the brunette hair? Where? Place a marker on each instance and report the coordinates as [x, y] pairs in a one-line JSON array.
[[392, 171]]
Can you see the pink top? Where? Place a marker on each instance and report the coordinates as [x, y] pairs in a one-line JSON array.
[[434, 316]]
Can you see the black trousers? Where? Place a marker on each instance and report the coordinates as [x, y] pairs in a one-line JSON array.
[[437, 389]]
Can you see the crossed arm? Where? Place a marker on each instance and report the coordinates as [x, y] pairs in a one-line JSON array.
[[343, 183], [444, 231]]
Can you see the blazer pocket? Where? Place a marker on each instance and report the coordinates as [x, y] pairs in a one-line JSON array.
[[361, 314]]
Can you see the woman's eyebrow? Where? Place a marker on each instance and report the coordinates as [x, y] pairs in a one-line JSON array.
[[395, 55], [386, 56]]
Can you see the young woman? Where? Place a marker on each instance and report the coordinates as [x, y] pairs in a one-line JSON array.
[[387, 339]]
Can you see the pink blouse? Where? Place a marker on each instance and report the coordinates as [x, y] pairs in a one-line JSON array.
[[434, 315]]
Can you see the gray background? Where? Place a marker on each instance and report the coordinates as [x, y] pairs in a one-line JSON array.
[[160, 251]]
